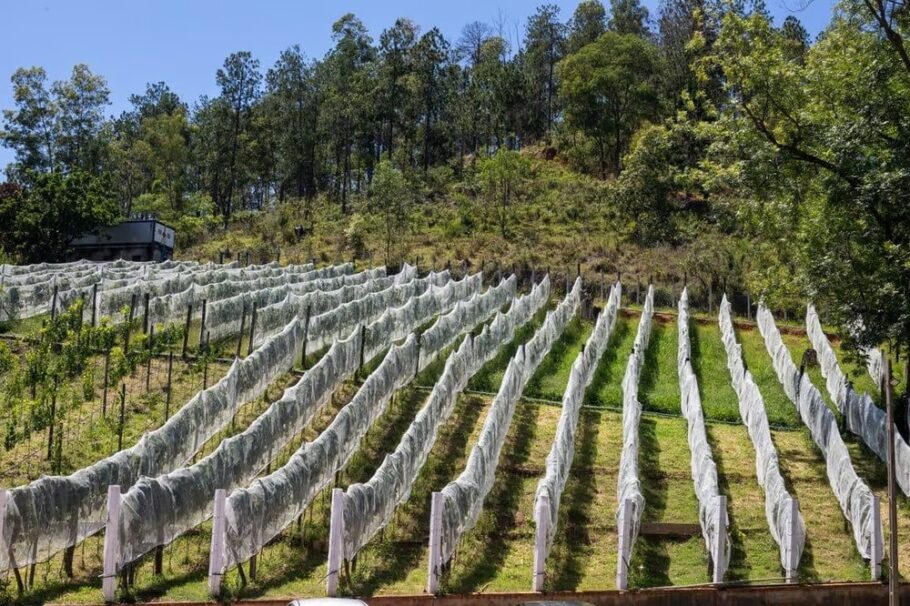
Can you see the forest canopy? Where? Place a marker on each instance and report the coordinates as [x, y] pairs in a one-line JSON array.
[[706, 130]]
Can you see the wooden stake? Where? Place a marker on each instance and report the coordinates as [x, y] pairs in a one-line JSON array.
[[249, 348], [122, 416], [111, 544], [242, 330], [186, 327]]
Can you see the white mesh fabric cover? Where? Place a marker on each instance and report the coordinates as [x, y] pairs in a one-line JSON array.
[[628, 483], [862, 416], [704, 471], [369, 506], [463, 499], [255, 515], [559, 460], [852, 493], [158, 510], [778, 502]]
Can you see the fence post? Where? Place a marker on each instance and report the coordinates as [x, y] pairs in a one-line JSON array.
[[792, 555], [623, 547], [111, 544], [363, 342], [216, 560], [878, 548], [542, 519], [336, 542], [129, 323], [748, 306], [435, 547], [720, 536]]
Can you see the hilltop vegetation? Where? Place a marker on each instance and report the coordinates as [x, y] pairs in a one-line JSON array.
[[705, 142]]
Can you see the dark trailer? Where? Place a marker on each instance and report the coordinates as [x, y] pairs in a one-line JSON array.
[[133, 240]]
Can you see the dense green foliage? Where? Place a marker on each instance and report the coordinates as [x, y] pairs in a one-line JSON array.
[[708, 141]]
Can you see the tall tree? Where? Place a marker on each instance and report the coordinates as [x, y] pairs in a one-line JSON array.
[[81, 101], [239, 80], [544, 47], [430, 60], [588, 22], [608, 88], [396, 45], [629, 17], [293, 87], [32, 128]]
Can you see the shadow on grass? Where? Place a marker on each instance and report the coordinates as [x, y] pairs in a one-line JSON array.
[[490, 536], [650, 565], [396, 557], [737, 569], [488, 378], [572, 551], [650, 369], [609, 369], [566, 347]]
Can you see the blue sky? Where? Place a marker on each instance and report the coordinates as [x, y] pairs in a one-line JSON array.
[[184, 42]]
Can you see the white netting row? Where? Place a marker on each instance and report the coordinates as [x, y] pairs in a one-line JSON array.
[[788, 533], [703, 469], [853, 495], [463, 499], [629, 484], [157, 510], [368, 507], [255, 515], [53, 513], [862, 416], [559, 460]]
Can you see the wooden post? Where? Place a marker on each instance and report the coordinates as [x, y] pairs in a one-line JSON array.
[[186, 326], [624, 546], [306, 335], [111, 544], [363, 342], [129, 323], [542, 519], [893, 573], [216, 558], [94, 304], [242, 330], [711, 296], [417, 362], [148, 362], [54, 301], [720, 538], [167, 401], [4, 499], [107, 370], [249, 348], [202, 325], [336, 542], [50, 429], [748, 306], [122, 416], [792, 555], [145, 314], [435, 546], [875, 557]]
